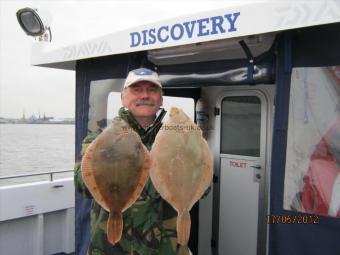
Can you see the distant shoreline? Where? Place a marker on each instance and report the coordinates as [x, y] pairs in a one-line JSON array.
[[41, 123]]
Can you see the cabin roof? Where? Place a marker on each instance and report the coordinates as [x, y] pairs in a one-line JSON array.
[[239, 20]]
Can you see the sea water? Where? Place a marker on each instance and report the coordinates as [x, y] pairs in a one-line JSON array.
[[33, 148]]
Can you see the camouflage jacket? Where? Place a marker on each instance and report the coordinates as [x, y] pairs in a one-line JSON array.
[[149, 224]]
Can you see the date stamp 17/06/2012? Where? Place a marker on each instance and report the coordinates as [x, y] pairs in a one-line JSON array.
[[292, 219]]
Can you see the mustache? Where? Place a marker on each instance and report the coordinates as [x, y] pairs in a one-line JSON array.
[[145, 102]]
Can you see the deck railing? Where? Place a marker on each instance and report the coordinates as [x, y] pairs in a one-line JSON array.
[[50, 173]]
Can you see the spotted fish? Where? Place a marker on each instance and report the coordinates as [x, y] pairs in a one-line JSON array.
[[181, 168], [115, 168]]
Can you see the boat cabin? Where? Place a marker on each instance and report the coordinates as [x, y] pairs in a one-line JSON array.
[[262, 80]]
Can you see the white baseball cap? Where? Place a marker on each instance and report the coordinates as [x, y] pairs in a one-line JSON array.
[[142, 74]]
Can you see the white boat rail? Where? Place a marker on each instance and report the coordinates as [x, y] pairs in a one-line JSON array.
[[37, 217], [50, 173]]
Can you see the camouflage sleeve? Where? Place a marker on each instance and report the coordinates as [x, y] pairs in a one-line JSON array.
[[78, 179]]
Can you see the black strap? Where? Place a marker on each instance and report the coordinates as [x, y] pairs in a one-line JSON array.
[[250, 73]]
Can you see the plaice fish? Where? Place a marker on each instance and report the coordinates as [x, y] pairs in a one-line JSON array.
[[115, 168], [181, 167]]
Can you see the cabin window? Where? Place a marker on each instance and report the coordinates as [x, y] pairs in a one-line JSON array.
[[104, 103], [98, 101], [312, 176], [241, 125]]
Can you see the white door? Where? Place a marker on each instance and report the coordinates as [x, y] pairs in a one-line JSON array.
[[243, 138]]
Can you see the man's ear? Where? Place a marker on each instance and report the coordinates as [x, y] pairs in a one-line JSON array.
[[122, 98]]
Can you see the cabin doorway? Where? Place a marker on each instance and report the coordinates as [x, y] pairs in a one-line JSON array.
[[243, 121]]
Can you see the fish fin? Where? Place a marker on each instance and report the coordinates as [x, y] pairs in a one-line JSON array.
[[114, 227], [183, 227]]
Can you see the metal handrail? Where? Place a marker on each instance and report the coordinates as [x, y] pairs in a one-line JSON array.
[[35, 174]]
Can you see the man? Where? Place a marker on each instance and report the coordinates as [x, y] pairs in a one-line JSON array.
[[150, 223]]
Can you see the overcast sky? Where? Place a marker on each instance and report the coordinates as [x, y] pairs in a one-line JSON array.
[[33, 90]]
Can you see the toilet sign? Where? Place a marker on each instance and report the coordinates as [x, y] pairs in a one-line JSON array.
[[237, 164]]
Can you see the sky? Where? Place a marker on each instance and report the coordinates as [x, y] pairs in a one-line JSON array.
[[25, 89]]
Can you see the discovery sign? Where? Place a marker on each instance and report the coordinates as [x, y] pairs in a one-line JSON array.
[[194, 28]]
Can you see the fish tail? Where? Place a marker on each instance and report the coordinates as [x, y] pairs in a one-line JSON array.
[[183, 227], [114, 227]]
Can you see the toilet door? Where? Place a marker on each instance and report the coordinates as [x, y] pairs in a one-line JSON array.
[[242, 172]]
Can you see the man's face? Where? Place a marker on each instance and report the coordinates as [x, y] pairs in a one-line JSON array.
[[143, 99]]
